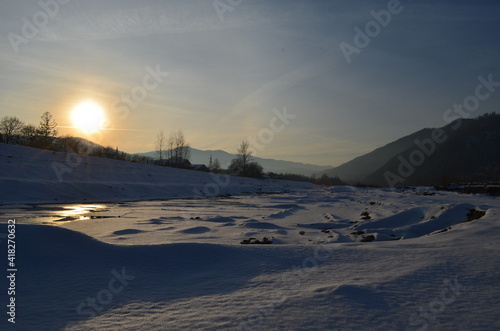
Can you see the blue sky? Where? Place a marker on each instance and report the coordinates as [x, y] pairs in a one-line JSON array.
[[225, 77]]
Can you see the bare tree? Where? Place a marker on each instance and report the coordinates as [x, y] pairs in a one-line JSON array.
[[161, 146], [178, 148], [29, 130], [29, 133], [244, 154], [10, 127], [170, 147], [47, 126], [242, 165], [216, 166]]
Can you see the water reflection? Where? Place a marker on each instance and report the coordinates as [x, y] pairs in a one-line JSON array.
[[52, 213], [58, 214], [77, 212]]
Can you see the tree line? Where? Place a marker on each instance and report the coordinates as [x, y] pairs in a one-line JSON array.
[[174, 151], [44, 136], [14, 131], [171, 151]]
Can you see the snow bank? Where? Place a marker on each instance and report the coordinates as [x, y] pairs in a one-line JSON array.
[[29, 175], [70, 281]]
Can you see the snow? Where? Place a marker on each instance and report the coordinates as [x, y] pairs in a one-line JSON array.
[[39, 176], [178, 264]]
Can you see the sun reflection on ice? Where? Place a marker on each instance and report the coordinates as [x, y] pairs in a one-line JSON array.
[[77, 212]]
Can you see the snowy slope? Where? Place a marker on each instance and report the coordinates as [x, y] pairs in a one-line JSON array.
[[34, 175], [467, 152], [151, 267]]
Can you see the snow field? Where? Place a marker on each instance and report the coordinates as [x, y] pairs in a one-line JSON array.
[[342, 258]]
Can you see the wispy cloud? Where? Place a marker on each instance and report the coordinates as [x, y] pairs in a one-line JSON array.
[[226, 77]]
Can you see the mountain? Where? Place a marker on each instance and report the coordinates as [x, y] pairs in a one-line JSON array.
[[464, 150], [203, 157], [362, 166]]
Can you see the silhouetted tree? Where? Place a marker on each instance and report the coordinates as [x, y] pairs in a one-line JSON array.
[[244, 154], [10, 127], [254, 170], [329, 181], [242, 165], [47, 127], [46, 131], [178, 149], [216, 166], [29, 133], [161, 146]]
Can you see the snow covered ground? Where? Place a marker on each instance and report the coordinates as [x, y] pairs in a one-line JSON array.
[[342, 258], [34, 175]]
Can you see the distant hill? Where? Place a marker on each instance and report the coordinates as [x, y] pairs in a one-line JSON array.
[[468, 150], [203, 157]]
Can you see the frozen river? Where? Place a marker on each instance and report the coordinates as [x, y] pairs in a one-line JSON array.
[[57, 214], [307, 217]]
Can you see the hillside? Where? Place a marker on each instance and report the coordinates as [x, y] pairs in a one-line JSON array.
[[362, 166], [34, 175], [467, 150], [269, 165], [469, 154]]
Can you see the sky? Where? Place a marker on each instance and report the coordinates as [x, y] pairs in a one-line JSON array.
[[318, 82]]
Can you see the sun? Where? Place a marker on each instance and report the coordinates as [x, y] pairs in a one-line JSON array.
[[88, 116]]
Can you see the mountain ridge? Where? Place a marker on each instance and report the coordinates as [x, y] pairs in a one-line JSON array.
[[463, 150], [272, 165]]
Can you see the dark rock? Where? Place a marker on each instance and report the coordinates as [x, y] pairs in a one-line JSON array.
[[254, 241], [367, 239], [474, 215], [366, 215]]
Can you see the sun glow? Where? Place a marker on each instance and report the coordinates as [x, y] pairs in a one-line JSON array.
[[88, 116]]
